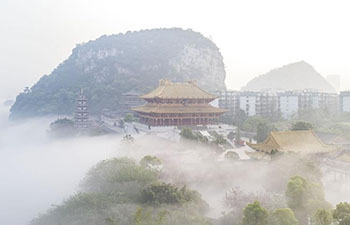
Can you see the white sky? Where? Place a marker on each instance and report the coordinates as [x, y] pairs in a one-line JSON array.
[[253, 36]]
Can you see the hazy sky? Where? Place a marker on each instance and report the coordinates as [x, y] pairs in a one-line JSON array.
[[253, 36]]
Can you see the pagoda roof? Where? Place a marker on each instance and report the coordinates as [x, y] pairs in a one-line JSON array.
[[176, 108], [304, 142], [171, 90]]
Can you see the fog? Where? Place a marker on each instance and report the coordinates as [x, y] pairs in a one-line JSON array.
[[38, 172]]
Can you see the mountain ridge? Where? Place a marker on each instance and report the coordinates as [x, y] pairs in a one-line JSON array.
[[112, 65], [294, 76]]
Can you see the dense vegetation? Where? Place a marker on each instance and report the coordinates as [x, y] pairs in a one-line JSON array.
[[62, 128], [116, 64], [305, 204], [122, 191], [189, 134]]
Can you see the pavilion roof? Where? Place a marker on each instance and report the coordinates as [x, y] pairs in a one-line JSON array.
[[304, 142], [342, 155], [171, 90], [178, 108]]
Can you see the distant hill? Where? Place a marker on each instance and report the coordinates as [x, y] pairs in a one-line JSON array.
[[8, 102], [115, 64], [294, 76]]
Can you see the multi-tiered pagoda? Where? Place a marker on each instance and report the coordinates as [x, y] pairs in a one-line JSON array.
[[178, 104], [81, 114]]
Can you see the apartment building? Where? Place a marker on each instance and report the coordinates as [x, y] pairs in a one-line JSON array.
[[229, 100], [257, 103], [344, 101], [286, 104]]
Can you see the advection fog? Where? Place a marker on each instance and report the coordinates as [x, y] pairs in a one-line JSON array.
[[38, 172]]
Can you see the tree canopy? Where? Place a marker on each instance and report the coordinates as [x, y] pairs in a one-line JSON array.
[[305, 197], [342, 213], [322, 217], [121, 191], [283, 217], [255, 214], [301, 125], [62, 128]]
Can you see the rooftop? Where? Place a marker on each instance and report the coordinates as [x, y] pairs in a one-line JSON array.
[[304, 142], [171, 90], [179, 109]]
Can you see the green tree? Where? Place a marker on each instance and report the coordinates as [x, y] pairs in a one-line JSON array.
[[188, 134], [301, 125], [129, 118], [262, 131], [123, 175], [345, 221], [252, 123], [220, 140], [231, 135], [231, 155], [304, 198], [283, 217], [342, 213], [296, 191], [238, 136], [150, 161], [163, 193], [239, 118], [322, 217], [201, 138], [255, 214], [62, 128], [142, 217]]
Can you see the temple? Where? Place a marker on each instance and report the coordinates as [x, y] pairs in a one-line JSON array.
[[303, 142], [178, 104]]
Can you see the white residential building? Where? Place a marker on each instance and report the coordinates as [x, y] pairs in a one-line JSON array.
[[344, 101], [258, 103], [229, 100], [247, 103], [288, 104]]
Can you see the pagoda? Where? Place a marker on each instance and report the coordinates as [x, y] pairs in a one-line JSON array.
[[81, 114], [178, 104]]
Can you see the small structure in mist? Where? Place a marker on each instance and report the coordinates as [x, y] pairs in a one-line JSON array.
[[81, 114]]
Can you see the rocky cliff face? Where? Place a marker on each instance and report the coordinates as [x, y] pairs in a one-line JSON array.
[[203, 65], [112, 65], [294, 76]]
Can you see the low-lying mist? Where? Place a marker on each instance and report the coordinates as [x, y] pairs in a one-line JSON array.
[[38, 172]]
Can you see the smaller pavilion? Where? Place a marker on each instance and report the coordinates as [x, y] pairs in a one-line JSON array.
[[304, 142]]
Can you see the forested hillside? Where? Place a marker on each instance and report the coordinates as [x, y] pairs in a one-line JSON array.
[[115, 64]]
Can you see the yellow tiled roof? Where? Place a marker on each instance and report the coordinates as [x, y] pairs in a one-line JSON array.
[[170, 90], [176, 108], [305, 142]]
